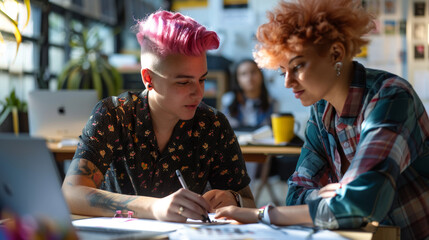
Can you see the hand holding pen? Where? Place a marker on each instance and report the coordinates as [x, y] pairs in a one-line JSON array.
[[179, 206], [185, 186]]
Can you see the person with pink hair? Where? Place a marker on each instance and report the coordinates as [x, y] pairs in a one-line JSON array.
[[133, 144], [365, 158]]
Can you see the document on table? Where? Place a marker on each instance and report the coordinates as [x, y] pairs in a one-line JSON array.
[[251, 231], [214, 221], [136, 224], [130, 224]]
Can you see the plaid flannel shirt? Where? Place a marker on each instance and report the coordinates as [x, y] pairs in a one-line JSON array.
[[383, 132]]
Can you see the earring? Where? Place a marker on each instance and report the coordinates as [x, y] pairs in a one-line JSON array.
[[338, 66], [149, 86]]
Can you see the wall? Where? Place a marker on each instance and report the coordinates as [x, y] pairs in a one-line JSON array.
[[418, 45]]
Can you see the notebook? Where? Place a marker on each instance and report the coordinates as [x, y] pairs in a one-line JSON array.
[[59, 115], [30, 186]]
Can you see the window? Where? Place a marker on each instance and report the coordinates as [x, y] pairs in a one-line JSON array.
[[45, 48]]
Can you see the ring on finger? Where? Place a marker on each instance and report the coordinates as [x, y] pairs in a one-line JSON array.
[[181, 209]]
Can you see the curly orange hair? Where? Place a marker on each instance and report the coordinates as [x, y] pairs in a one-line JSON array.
[[315, 22]]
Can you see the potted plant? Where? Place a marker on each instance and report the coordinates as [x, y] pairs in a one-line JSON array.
[[13, 116], [90, 70]]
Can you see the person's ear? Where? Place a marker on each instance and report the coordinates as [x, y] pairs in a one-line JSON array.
[[146, 78], [337, 52]]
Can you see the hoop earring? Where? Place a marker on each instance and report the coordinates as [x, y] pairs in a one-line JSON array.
[[338, 66]]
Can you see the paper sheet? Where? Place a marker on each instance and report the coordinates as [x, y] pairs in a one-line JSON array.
[[250, 231], [132, 224]]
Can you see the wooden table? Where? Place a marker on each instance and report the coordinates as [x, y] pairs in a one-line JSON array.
[[251, 153], [264, 154]]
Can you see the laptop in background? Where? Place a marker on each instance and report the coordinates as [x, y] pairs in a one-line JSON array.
[[30, 186], [59, 115]]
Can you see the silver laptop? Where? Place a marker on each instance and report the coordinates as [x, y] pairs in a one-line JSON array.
[[30, 186], [61, 114], [29, 180]]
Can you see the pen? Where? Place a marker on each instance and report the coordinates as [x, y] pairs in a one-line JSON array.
[[181, 179], [183, 183]]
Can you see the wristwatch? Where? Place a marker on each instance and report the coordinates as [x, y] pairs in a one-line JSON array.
[[238, 198], [263, 214]]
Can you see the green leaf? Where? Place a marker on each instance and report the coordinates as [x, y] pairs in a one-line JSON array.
[[96, 78], [75, 78], [62, 78], [108, 81]]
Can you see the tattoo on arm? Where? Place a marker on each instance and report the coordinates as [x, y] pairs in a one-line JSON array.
[[86, 168], [109, 201]]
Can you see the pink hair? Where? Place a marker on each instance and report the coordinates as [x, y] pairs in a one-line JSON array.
[[166, 33]]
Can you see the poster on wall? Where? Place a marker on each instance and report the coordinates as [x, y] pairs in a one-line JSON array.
[[419, 31], [178, 4], [389, 27], [236, 12], [389, 6], [234, 4], [419, 9], [419, 51]]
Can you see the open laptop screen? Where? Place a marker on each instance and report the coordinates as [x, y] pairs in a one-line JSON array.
[[29, 180]]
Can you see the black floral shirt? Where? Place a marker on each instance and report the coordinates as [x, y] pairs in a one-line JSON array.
[[119, 139]]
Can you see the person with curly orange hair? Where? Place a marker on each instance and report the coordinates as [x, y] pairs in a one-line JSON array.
[[366, 153]]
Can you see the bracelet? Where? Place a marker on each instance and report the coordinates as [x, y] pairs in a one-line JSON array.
[[238, 198], [263, 214]]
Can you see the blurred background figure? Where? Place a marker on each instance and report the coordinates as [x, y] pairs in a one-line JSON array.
[[248, 104]]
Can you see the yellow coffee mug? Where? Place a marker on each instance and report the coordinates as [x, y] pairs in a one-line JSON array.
[[283, 127]]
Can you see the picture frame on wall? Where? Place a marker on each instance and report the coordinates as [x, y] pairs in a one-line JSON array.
[[390, 6], [419, 51], [419, 31], [389, 27], [419, 9]]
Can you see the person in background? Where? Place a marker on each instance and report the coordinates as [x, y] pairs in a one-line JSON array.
[[366, 153], [248, 104], [133, 143]]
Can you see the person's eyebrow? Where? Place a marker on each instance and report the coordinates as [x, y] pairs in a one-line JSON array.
[[291, 60], [190, 76], [294, 58]]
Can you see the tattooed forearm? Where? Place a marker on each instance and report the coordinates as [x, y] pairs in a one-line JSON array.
[[109, 201], [84, 167], [81, 167]]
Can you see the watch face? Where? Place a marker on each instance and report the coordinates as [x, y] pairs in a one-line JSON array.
[[261, 213]]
